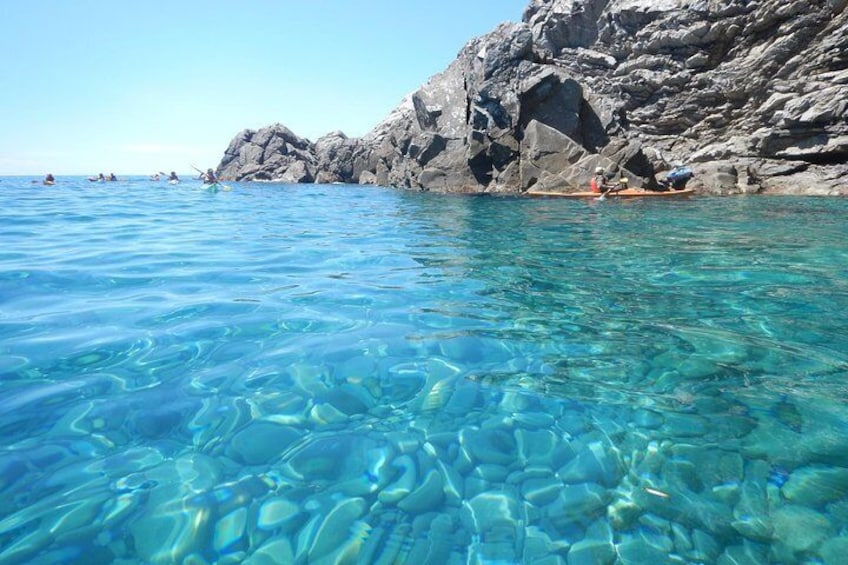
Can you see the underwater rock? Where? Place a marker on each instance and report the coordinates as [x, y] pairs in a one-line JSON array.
[[748, 554], [272, 552], [755, 528], [816, 485], [453, 484], [596, 462], [541, 492], [540, 548], [167, 533], [427, 497], [834, 551], [714, 466], [348, 399], [596, 547], [530, 472], [577, 504], [682, 539], [25, 548], [799, 529], [259, 443], [775, 443], [332, 458], [686, 507], [336, 528], [623, 512], [229, 531], [706, 547], [405, 482], [535, 447], [685, 425], [433, 537], [496, 446], [648, 419], [491, 510], [592, 552], [490, 473], [644, 547], [325, 413], [277, 513]]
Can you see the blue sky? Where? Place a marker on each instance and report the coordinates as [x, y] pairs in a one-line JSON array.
[[136, 87]]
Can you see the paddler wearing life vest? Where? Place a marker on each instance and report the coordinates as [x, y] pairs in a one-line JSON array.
[[599, 184]]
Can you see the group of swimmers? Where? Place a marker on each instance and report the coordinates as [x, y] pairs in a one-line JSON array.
[[172, 178], [102, 178], [208, 177]]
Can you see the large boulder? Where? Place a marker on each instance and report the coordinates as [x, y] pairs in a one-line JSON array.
[[272, 153], [754, 95]]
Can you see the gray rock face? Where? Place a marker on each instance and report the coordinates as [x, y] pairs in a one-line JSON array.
[[272, 153], [752, 94]]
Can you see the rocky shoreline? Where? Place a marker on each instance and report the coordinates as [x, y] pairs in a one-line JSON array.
[[752, 95]]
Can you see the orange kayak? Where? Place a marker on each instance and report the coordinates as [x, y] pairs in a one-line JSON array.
[[626, 193]]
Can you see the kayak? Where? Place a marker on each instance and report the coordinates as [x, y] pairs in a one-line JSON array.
[[626, 193], [215, 187], [173, 182]]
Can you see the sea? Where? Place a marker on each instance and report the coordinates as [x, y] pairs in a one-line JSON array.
[[334, 374]]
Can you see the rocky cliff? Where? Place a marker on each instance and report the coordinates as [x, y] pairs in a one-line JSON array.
[[753, 94]]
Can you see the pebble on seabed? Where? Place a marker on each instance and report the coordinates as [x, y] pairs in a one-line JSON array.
[[549, 485]]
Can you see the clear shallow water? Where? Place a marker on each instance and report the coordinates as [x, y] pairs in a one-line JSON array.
[[320, 374]]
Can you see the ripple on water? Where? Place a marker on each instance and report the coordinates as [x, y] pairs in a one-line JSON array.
[[342, 374]]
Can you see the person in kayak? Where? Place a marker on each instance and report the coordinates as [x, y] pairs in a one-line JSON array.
[[112, 177], [49, 179], [209, 177], [599, 184], [173, 176]]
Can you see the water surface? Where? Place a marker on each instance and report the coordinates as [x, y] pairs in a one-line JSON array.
[[323, 374]]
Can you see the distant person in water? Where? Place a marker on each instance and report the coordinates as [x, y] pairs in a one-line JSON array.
[[112, 177], [155, 177], [49, 179], [173, 176]]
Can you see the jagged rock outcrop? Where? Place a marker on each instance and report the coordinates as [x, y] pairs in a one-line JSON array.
[[272, 153], [752, 94]]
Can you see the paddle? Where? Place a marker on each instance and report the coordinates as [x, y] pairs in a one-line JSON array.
[[611, 189], [622, 185]]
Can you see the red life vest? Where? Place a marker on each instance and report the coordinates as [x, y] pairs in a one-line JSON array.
[[593, 185]]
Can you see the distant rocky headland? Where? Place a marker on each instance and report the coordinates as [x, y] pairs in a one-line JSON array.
[[751, 94]]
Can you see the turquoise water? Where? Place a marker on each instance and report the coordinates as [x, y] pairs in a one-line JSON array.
[[342, 374]]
